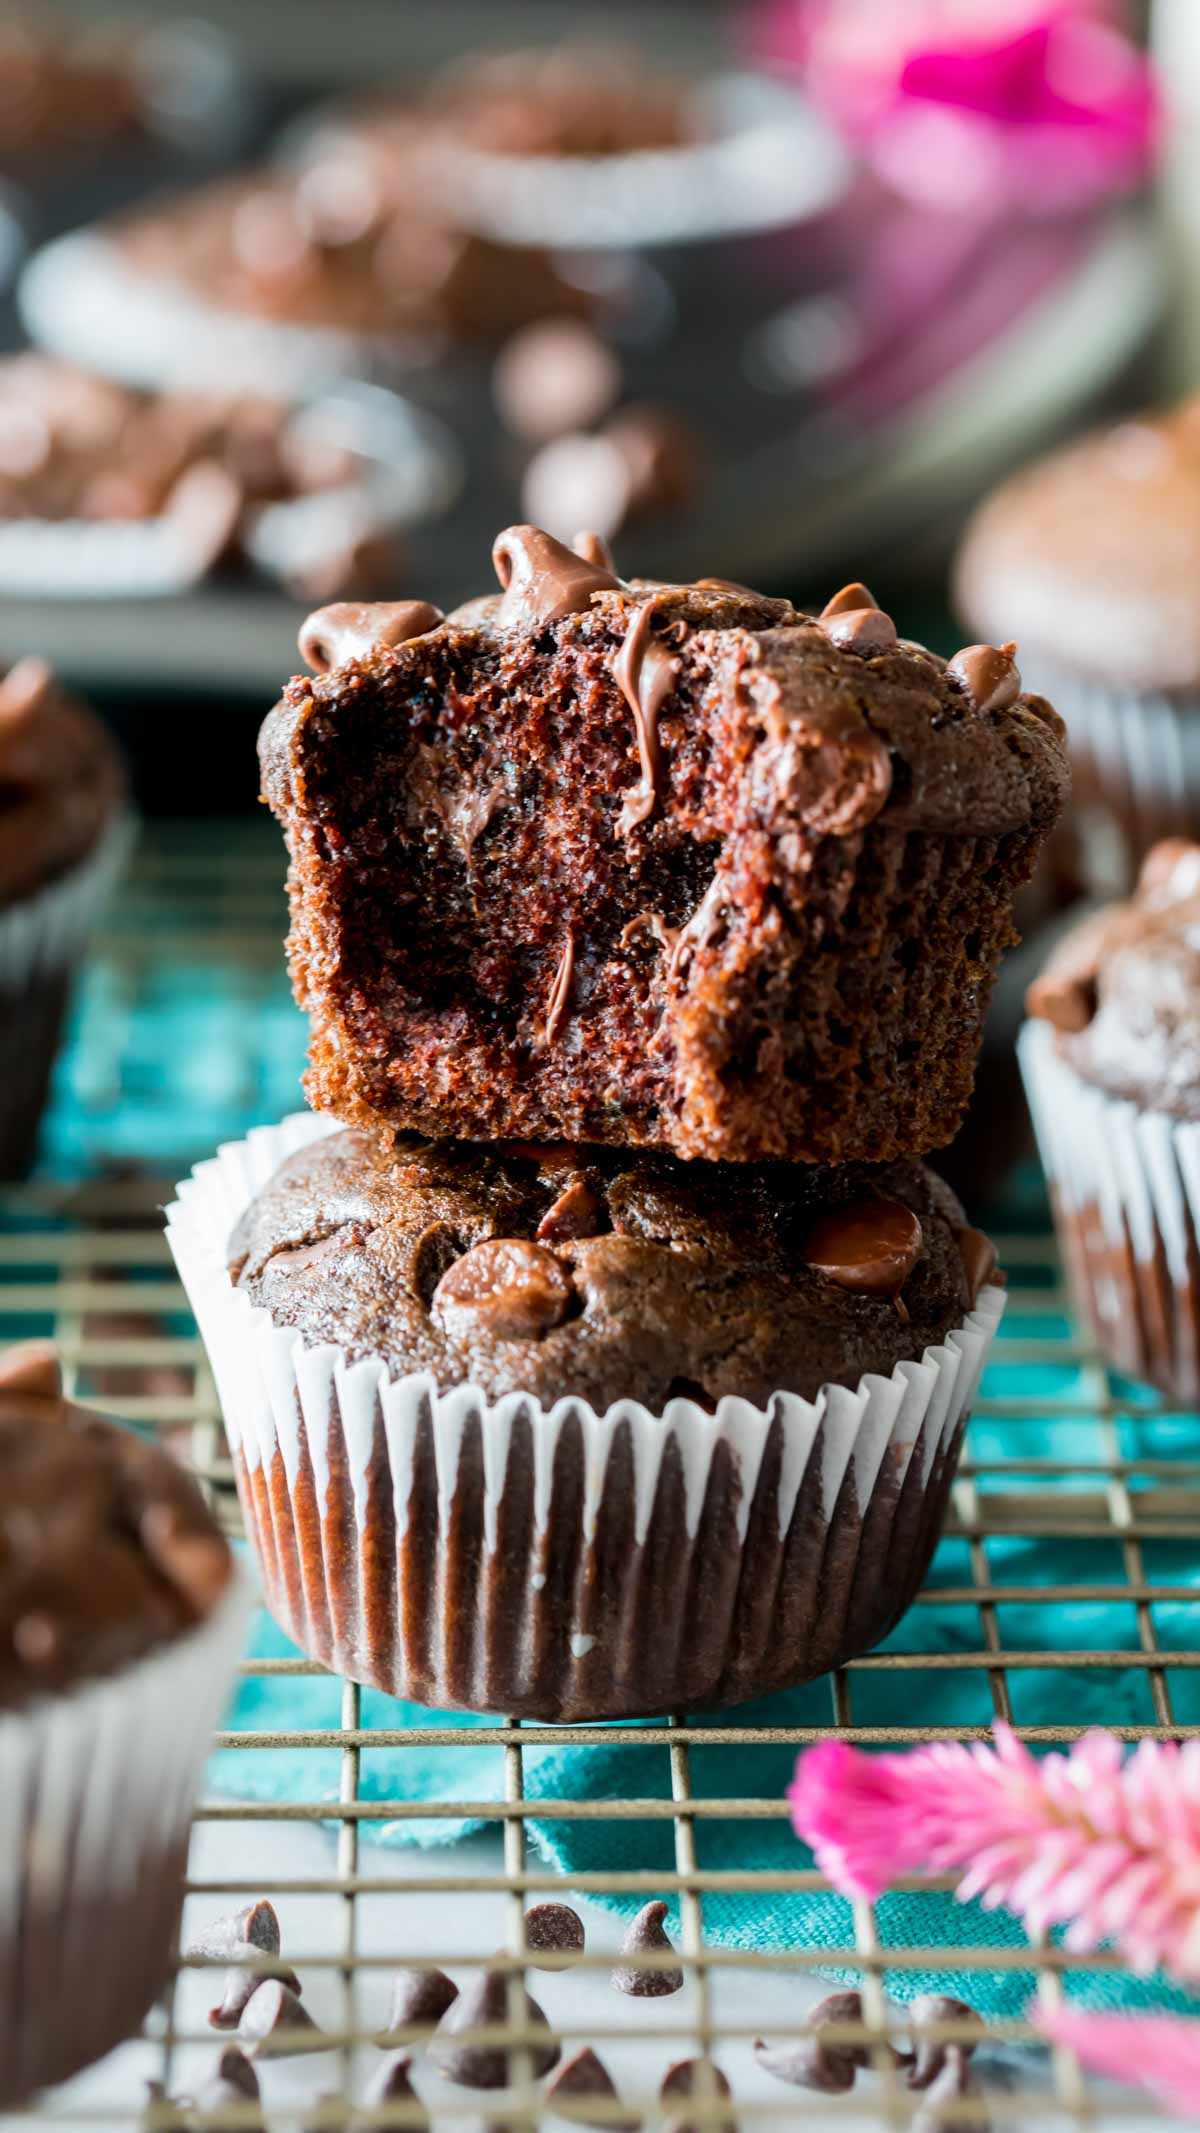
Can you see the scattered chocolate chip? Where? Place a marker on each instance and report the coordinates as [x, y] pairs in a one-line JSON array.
[[358, 567], [930, 2054], [582, 2081], [233, 2080], [275, 2021], [419, 1998], [988, 676], [485, 2004], [554, 376], [242, 1981], [505, 1286], [809, 2063], [205, 508], [955, 2081], [646, 1937], [843, 2009], [662, 454], [257, 1926], [554, 1936], [864, 630], [577, 1212], [698, 2080], [392, 2084], [33, 1368], [351, 629], [23, 691], [870, 1245]]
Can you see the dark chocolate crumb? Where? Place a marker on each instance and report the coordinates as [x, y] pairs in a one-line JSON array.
[[554, 1936], [646, 1937]]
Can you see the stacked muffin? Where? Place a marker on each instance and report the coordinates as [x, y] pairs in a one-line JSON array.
[[612, 1350]]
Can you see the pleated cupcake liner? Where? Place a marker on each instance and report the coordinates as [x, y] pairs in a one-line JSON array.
[[1136, 758], [97, 1789], [42, 941], [557, 1562], [1125, 1185]]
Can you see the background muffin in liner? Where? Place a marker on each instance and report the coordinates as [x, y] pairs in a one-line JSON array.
[[98, 1778], [546, 1559], [1111, 1063], [1089, 559], [67, 834]]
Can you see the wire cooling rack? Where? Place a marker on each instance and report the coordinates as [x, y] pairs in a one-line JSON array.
[[1064, 1464]]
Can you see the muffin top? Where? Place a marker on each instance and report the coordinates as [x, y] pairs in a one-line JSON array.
[[1122, 990], [61, 780], [554, 1270], [1091, 556], [107, 1550]]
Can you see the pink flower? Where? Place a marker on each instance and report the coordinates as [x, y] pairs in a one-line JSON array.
[[1161, 2052], [1038, 104], [1105, 1846]]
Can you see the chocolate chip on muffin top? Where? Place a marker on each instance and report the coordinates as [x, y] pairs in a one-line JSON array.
[[553, 1270], [1122, 991]]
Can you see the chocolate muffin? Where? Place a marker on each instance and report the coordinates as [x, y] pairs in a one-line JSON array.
[[1111, 1061], [120, 1620], [573, 1432], [62, 833], [652, 865], [1090, 556]]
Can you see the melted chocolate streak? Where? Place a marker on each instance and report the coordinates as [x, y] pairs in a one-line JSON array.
[[645, 673], [560, 990]]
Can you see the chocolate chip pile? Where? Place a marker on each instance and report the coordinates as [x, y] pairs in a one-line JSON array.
[[261, 1997]]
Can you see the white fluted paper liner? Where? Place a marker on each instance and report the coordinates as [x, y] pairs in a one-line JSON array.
[[97, 1788], [47, 932], [312, 1432], [1125, 1183], [1138, 757]]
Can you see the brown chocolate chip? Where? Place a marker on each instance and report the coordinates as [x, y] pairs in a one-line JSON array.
[[869, 1245], [543, 581], [257, 1926], [864, 630], [233, 2080], [242, 1981], [419, 1998], [485, 2004], [24, 689], [1170, 872], [351, 629], [554, 376], [205, 508], [851, 600], [506, 1288], [987, 675], [955, 2081], [554, 1936], [32, 1368], [392, 2084], [594, 549], [932, 2054], [978, 1258], [700, 2081], [276, 2022], [577, 1212], [646, 1937], [581, 2082], [809, 2063]]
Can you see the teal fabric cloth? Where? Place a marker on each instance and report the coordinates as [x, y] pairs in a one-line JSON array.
[[1085, 1694]]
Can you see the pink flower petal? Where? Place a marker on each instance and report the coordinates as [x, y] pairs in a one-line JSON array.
[[1159, 2052]]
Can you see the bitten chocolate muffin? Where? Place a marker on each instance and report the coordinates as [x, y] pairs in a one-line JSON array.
[[1112, 1068], [656, 865], [62, 794], [1090, 557], [578, 1433], [119, 1622]]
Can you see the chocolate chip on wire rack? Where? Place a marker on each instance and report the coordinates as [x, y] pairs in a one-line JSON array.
[[582, 2082], [700, 2081], [392, 2084], [554, 1936], [419, 1999], [817, 2060], [954, 2082], [485, 2004], [929, 2054], [256, 1926], [646, 1937], [242, 1981], [277, 2023]]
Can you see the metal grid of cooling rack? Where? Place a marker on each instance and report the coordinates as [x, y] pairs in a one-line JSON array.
[[88, 1264]]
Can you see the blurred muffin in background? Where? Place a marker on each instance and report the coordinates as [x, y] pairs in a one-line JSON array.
[[63, 832], [583, 98], [1091, 558]]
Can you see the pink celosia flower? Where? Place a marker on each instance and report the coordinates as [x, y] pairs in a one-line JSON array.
[[1105, 1846], [1027, 103], [1159, 2052]]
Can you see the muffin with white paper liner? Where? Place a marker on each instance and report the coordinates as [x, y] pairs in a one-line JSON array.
[[66, 832], [121, 1620], [1089, 558], [580, 1433], [1111, 1063]]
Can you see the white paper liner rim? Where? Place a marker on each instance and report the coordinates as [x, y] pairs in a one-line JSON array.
[[269, 1381]]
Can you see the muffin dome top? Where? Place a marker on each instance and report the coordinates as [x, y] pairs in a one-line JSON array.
[[1123, 989], [60, 779], [107, 1550], [1091, 556], [553, 1270]]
